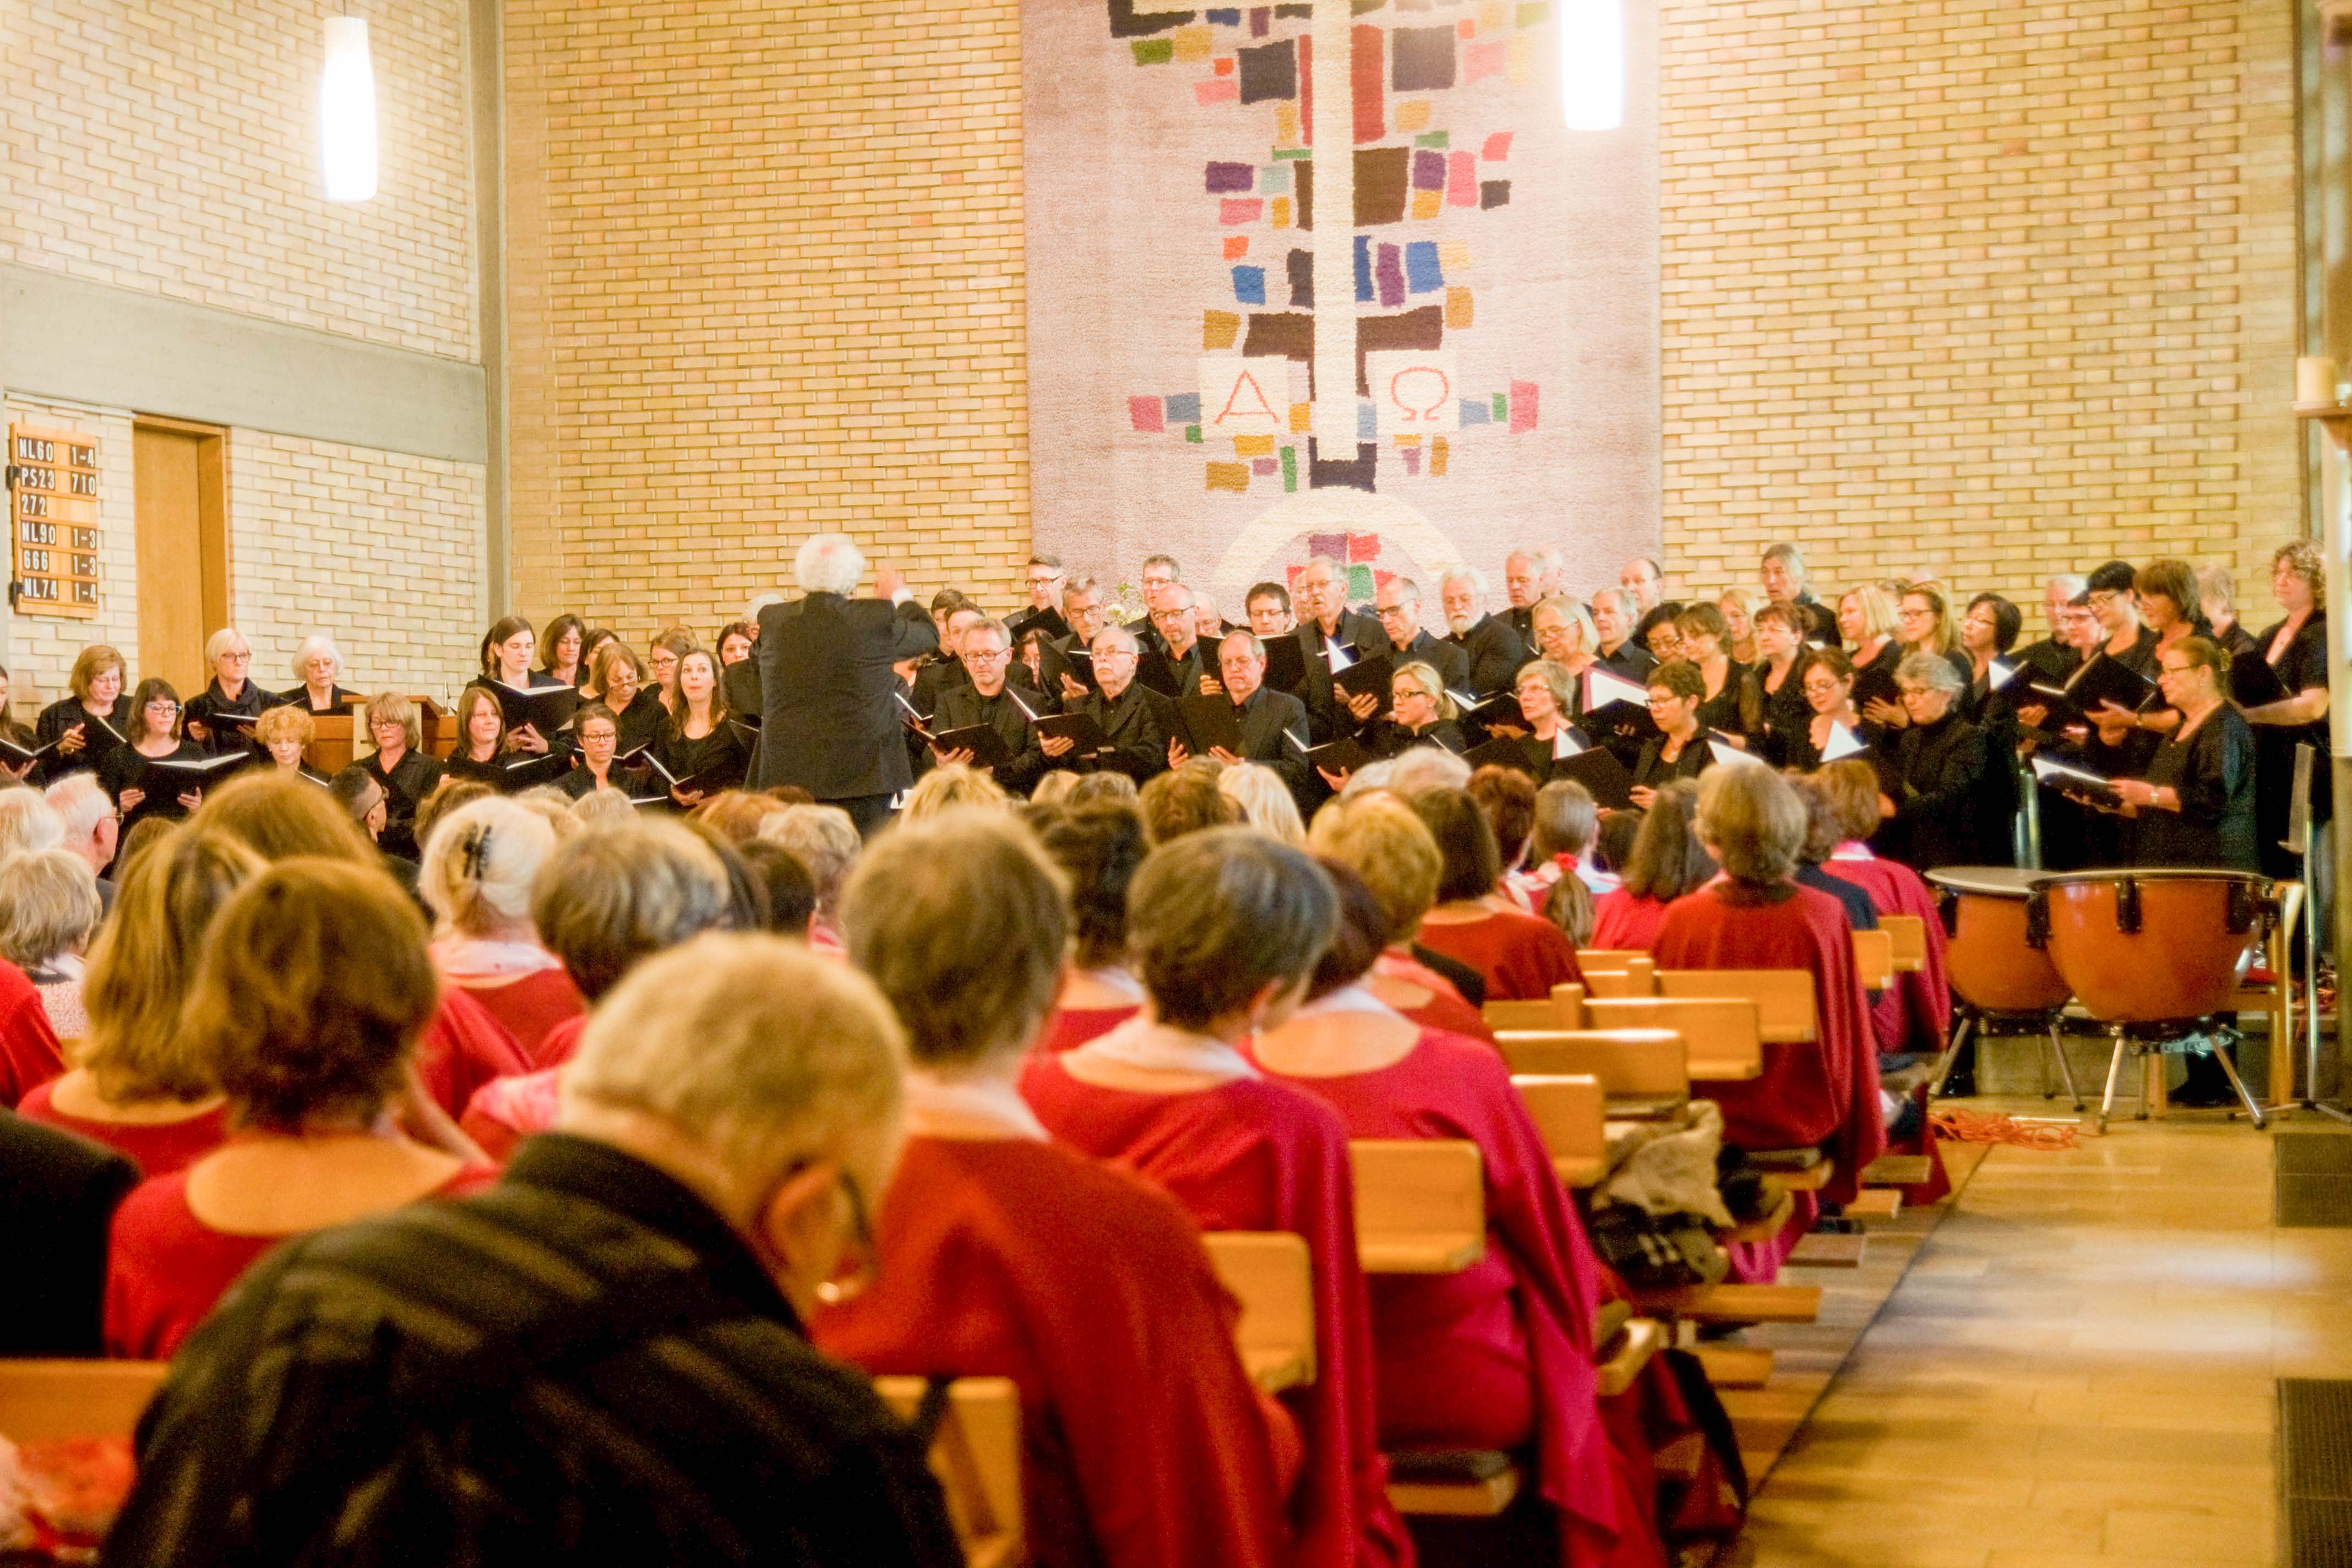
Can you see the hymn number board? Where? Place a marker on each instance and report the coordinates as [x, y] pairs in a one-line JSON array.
[[53, 522]]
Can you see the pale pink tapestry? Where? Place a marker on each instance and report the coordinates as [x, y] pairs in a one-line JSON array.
[[1493, 288]]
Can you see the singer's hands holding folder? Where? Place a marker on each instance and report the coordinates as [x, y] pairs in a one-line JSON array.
[[72, 740], [1057, 746], [528, 740]]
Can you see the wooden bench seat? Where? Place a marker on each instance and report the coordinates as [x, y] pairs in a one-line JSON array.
[[1734, 1366], [1458, 1483], [1625, 1353], [1875, 1202], [1633, 1066], [1898, 1170], [41, 1400], [1909, 935], [1271, 1274], [1420, 1205], [976, 1456], [1734, 1303], [1773, 1221], [1783, 998], [1571, 1113], [1874, 959], [1722, 1037], [1829, 1249]]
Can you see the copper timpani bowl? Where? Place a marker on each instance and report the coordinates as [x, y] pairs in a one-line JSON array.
[[2153, 946], [1995, 961]]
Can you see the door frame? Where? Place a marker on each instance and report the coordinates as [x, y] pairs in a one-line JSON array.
[[211, 511]]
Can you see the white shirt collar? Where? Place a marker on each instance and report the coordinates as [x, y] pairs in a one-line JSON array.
[[941, 1107]]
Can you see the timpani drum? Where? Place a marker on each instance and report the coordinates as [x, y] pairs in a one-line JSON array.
[[1995, 960], [2154, 946]]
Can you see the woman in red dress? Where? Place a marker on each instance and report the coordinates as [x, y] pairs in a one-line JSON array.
[[1003, 1254], [1100, 847], [1225, 926], [1500, 1355], [1667, 861], [1521, 956], [476, 877], [136, 1084], [1380, 838], [313, 986]]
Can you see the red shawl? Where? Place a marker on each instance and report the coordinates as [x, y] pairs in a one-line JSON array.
[[463, 1048], [1622, 922], [1521, 957], [1067, 1028], [1915, 1016], [1254, 1154], [1143, 1443], [29, 1053], [1823, 1092]]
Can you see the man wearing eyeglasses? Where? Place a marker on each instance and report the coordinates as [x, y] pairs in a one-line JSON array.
[[988, 700]]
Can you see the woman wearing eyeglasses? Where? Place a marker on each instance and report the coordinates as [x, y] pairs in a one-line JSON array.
[[231, 658], [1680, 750], [137, 790]]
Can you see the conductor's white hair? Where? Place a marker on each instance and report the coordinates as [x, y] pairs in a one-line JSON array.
[[829, 563]]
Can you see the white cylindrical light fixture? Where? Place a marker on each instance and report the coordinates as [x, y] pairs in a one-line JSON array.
[[347, 113], [1592, 64]]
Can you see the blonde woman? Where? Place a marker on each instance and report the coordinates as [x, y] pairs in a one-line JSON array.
[[49, 909], [950, 786], [477, 877], [1264, 800], [401, 767]]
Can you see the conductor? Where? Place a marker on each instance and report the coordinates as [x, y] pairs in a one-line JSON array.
[[827, 722]]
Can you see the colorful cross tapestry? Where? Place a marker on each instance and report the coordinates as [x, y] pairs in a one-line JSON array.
[[1239, 352]]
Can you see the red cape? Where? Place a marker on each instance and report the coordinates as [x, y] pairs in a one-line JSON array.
[[1521, 956], [1915, 1013], [1144, 1444], [1624, 923], [1254, 1154], [1524, 1310], [29, 1053], [463, 1048], [530, 1007], [1823, 1092], [1067, 1028]]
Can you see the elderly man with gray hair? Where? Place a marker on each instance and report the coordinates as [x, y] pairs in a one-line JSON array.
[[829, 714], [91, 826], [1494, 651]]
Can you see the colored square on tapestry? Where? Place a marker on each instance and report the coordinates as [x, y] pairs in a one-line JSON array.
[[1224, 16], [1364, 78], [1412, 115], [1126, 22], [1412, 462], [1194, 42], [1491, 17], [1302, 418], [1266, 465], [1363, 270], [1381, 174], [1363, 548], [1236, 247], [1480, 61], [1183, 408], [1261, 20], [1427, 204], [1523, 407], [1475, 412], [1461, 179], [1192, 433], [1218, 330], [1273, 180], [1334, 545], [1144, 413], [1290, 469], [1235, 209], [1531, 14], [1494, 193], [1428, 171], [1521, 53], [1301, 267], [1269, 71], [1249, 285], [1232, 477], [1420, 270], [1225, 65], [1253, 445], [1497, 147], [1153, 51], [1224, 179], [1413, 5], [1273, 335], [1361, 579], [1391, 276], [1502, 406], [1368, 422], [1423, 59], [1422, 329], [1465, 29], [1216, 90], [1437, 454], [1406, 443], [1277, 213], [1457, 309], [1437, 139], [1286, 131], [1454, 255], [1354, 471], [1294, 13], [1304, 175]]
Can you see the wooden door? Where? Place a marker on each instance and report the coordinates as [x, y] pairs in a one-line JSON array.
[[183, 537]]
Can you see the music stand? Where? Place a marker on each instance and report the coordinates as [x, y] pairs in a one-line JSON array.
[[2298, 842]]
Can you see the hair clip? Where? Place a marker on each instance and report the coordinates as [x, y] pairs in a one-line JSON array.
[[475, 848]]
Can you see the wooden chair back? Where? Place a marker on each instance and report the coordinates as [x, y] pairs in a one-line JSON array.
[[1723, 1038], [1269, 1273], [1608, 957], [1628, 1064], [1420, 1205], [1568, 1002], [1783, 998], [1874, 959], [976, 1456], [1632, 976], [1564, 1009], [43, 1400], [1571, 1113], [1909, 935]]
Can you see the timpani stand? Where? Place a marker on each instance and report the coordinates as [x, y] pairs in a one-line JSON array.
[[2334, 422]]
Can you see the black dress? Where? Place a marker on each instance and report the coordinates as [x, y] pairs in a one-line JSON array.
[[1386, 737], [721, 755], [1738, 707], [1651, 770], [1788, 717], [458, 765], [65, 713], [408, 782], [125, 767], [2214, 771], [248, 703], [340, 702], [642, 720], [637, 783], [2301, 666]]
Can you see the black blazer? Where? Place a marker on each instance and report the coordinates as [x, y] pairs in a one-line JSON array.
[[1361, 635], [828, 722], [201, 707], [343, 696], [1453, 665], [59, 1193], [962, 707], [1136, 728], [1940, 813], [1494, 651]]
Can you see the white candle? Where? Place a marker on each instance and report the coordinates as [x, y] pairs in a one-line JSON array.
[[2314, 379]]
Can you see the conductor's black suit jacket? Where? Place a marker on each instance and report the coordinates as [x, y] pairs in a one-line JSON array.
[[828, 722]]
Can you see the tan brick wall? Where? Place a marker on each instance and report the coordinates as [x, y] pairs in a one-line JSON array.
[[171, 146], [766, 279], [1984, 288]]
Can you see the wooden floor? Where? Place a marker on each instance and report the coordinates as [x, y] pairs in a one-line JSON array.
[[2075, 1370]]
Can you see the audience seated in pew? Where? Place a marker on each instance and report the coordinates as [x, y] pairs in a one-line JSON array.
[[1225, 926], [1500, 1355], [1519, 956], [305, 1006], [137, 1083], [1380, 838], [476, 877], [825, 840], [1002, 1253], [49, 910], [601, 1358], [1915, 1016], [1666, 861], [1099, 849]]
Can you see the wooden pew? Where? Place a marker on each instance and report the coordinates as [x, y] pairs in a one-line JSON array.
[[977, 1457], [1724, 1034], [1570, 1111], [1874, 959], [1635, 977], [1783, 998], [1269, 1273], [1641, 1071], [1420, 1205], [42, 1400], [1610, 957], [1909, 935]]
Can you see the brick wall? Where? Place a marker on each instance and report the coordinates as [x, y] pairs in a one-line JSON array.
[[1977, 288], [765, 280]]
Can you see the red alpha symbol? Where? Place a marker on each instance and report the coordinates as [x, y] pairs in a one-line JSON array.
[[1264, 409], [1423, 402]]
